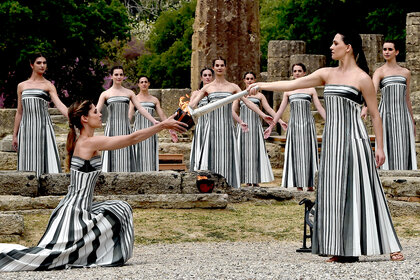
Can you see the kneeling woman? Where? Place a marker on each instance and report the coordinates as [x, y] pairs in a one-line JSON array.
[[81, 233]]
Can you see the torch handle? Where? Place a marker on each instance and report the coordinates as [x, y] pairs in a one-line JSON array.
[[196, 113]]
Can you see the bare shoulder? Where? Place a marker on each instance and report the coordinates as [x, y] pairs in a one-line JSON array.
[[379, 72], [234, 88]]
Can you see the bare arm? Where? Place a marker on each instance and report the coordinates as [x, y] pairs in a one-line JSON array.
[[408, 100], [277, 116], [199, 94], [244, 125], [116, 142], [317, 78], [318, 105], [257, 110], [101, 102], [57, 102], [369, 94], [163, 117], [18, 117], [131, 111]]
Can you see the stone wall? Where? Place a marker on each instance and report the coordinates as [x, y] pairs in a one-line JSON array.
[[413, 49], [227, 28]]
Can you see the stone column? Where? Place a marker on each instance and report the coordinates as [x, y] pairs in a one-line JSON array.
[[413, 49], [227, 28], [372, 47]]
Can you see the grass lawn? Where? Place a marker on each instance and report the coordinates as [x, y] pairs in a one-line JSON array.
[[251, 221]]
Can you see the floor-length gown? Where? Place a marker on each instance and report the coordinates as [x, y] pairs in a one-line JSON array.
[[219, 151], [398, 129], [120, 160], [79, 233], [198, 137], [37, 148], [352, 217], [255, 165], [301, 152], [147, 151]]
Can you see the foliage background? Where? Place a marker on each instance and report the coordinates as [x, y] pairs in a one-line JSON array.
[[83, 39]]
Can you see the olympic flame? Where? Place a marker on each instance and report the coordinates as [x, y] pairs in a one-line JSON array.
[[183, 103]]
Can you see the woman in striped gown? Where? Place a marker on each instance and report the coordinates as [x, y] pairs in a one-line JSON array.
[[301, 152], [219, 151], [396, 112], [82, 233], [206, 76], [255, 165], [118, 98], [352, 217], [146, 152], [33, 135]]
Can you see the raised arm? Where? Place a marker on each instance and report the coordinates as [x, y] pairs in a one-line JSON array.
[[57, 102], [18, 117], [318, 104], [141, 110], [196, 96]]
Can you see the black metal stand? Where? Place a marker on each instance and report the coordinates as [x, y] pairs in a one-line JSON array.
[[307, 223]]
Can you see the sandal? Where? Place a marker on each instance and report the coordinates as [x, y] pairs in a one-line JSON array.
[[342, 259], [255, 185], [310, 189], [300, 189], [396, 257]]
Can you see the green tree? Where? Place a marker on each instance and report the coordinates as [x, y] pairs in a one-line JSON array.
[[69, 33], [169, 60]]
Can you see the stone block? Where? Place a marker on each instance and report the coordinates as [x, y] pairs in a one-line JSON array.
[[8, 160], [19, 203], [177, 148], [6, 144], [401, 186], [278, 67], [18, 183], [312, 62], [402, 208], [285, 48], [372, 47], [170, 99], [413, 19], [275, 154], [171, 201], [7, 117], [11, 224]]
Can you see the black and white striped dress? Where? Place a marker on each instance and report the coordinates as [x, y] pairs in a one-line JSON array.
[[121, 160], [37, 148], [255, 165], [219, 151], [301, 152], [399, 140], [147, 153], [352, 216], [198, 137], [79, 233]]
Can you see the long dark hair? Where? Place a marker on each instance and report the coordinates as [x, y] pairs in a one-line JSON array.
[[75, 112], [34, 56], [201, 75], [352, 38], [219, 58], [301, 65]]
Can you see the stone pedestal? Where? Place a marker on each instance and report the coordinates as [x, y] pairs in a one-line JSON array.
[[312, 61], [227, 28], [279, 53]]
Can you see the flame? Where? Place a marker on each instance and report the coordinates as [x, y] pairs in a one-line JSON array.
[[199, 177], [183, 104]]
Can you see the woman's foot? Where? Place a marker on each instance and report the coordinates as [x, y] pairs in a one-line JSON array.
[[300, 189], [248, 184], [310, 189], [397, 256], [255, 185], [342, 259]]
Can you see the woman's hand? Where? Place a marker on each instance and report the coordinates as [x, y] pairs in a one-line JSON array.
[[174, 137], [363, 114], [172, 124], [268, 119], [379, 157], [283, 124], [15, 143], [267, 132], [244, 127], [253, 88]]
